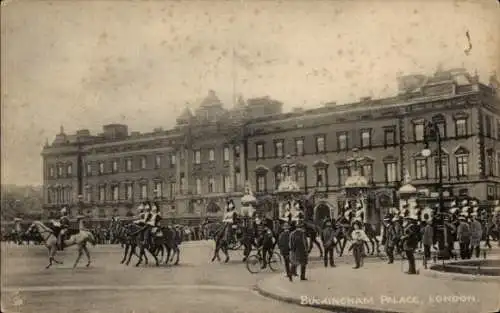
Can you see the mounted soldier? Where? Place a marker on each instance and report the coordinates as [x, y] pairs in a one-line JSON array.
[[63, 226], [229, 220]]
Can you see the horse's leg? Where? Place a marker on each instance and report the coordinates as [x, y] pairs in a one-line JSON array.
[[78, 257], [169, 250], [315, 241], [125, 254], [216, 251], [87, 254], [141, 254], [225, 250], [131, 251], [50, 258]]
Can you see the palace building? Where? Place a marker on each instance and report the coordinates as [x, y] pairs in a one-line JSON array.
[[191, 169]]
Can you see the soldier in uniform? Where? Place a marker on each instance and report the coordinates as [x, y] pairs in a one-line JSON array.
[[410, 242], [328, 238], [267, 244], [389, 239], [427, 232], [476, 230], [284, 247], [463, 237], [63, 226]]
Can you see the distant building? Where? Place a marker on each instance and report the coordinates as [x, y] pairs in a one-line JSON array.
[[192, 168]]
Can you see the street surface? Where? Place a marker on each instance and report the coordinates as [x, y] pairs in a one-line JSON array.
[[195, 285]]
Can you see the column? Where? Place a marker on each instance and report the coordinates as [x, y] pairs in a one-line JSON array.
[[177, 172], [231, 168], [242, 164], [187, 169]]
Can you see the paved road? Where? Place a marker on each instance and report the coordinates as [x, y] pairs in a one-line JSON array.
[[196, 285]]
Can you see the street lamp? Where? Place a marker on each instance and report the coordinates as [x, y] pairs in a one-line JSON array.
[[432, 132], [80, 204]]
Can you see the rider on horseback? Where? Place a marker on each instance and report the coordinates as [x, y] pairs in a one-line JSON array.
[[155, 221], [148, 223], [230, 218], [63, 227]]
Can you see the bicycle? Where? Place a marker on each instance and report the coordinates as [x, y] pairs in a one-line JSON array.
[[255, 261]]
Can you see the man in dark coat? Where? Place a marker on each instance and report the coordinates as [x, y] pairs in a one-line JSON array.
[[389, 238], [463, 237], [299, 249], [328, 237], [410, 243], [284, 246], [267, 242], [427, 239]]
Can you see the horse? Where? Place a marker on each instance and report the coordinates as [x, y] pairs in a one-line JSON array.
[[50, 240], [243, 233]]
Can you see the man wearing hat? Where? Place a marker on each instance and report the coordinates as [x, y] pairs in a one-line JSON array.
[[389, 239], [476, 230], [328, 238], [463, 237], [359, 238], [64, 226], [299, 250], [410, 241], [284, 246]]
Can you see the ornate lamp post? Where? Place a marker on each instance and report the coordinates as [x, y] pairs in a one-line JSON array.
[[288, 187], [431, 133], [80, 204], [356, 184]]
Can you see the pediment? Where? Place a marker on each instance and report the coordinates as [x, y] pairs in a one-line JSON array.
[[320, 163], [461, 151], [261, 169]]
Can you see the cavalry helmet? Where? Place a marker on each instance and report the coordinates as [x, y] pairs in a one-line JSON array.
[[64, 211], [154, 209], [140, 208]]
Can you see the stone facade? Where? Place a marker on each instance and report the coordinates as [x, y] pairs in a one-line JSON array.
[[210, 153]]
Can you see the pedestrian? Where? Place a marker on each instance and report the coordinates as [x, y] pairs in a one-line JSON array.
[[476, 231], [427, 238], [284, 246], [299, 249], [389, 239], [328, 237], [359, 238], [267, 243], [410, 242], [463, 237]]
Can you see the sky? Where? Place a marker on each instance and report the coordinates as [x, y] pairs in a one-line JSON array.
[[83, 64]]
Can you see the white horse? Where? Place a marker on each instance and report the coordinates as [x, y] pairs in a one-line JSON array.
[[50, 240]]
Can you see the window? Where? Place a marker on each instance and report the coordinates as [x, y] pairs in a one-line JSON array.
[[144, 191], [366, 138], [389, 137], [343, 174], [226, 154], [238, 180], [444, 166], [498, 165], [172, 160], [421, 169], [320, 144], [226, 183], [114, 193], [143, 163], [391, 172], [59, 171], [114, 166], [260, 150], [172, 190], [211, 155], [418, 132], [461, 127], [69, 169], [490, 192], [368, 171], [157, 161], [128, 165], [88, 193], [51, 171], [198, 186], [498, 131], [197, 157], [488, 126], [128, 192], [321, 178], [301, 177], [237, 151], [101, 168], [490, 160], [278, 175], [462, 165], [342, 141], [211, 184], [261, 183], [102, 193], [299, 146], [278, 148], [158, 189]]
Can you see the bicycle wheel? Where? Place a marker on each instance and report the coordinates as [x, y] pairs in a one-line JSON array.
[[254, 264], [275, 262]]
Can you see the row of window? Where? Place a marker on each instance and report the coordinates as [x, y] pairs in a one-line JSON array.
[[461, 129], [462, 167], [211, 154], [63, 170], [116, 193]]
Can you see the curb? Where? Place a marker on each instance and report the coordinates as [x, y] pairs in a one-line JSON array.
[[327, 307], [461, 277]]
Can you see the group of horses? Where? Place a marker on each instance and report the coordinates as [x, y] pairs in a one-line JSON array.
[[244, 233]]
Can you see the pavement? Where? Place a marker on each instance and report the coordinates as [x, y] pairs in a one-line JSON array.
[[195, 285], [381, 287]]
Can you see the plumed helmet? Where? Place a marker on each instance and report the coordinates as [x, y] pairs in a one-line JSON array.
[[64, 211], [453, 210], [473, 203], [359, 205], [453, 203], [140, 208], [427, 215], [147, 207], [347, 214], [154, 209], [346, 205], [230, 204], [465, 202], [465, 211]]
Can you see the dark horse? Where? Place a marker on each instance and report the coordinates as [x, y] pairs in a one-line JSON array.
[[225, 234], [344, 235], [133, 237]]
